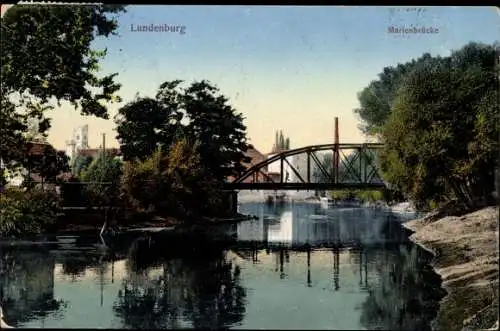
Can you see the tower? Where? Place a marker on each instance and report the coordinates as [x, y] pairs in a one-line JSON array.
[[81, 137]]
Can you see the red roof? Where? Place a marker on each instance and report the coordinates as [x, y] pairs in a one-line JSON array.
[[255, 155], [93, 152], [277, 152], [34, 148]]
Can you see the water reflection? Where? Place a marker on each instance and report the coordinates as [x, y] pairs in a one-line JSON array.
[[406, 293], [296, 267], [27, 285], [202, 289], [302, 224]]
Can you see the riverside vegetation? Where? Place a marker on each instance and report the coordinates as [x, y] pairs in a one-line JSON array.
[[166, 163], [438, 118]]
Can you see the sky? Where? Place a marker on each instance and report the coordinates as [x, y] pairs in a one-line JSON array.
[[292, 68]]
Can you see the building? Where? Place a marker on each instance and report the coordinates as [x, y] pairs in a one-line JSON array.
[[94, 152], [274, 169], [16, 178], [255, 158], [79, 140], [299, 163]]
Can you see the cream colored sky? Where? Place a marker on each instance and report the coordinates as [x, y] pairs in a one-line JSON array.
[[289, 68], [316, 128]]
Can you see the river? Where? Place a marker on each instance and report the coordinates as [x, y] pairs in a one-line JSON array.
[[299, 266]]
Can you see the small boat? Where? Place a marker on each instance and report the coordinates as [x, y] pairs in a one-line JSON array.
[[318, 217]]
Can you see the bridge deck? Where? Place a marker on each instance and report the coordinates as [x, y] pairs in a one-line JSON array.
[[302, 186]]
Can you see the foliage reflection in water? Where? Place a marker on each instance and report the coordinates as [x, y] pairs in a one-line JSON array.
[[337, 269]]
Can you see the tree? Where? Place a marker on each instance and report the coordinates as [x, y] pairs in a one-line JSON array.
[[37, 125], [281, 143], [49, 164], [218, 129], [441, 139], [46, 54], [145, 124], [81, 164], [197, 190], [142, 185], [376, 100], [198, 113], [327, 163], [174, 183], [103, 177], [12, 148]]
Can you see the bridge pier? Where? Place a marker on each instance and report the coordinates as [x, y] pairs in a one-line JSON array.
[[231, 198]]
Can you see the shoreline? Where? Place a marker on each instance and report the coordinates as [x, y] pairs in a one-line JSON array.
[[465, 256], [155, 222]]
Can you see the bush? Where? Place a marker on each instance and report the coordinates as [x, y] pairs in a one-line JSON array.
[[362, 195], [341, 194], [103, 175], [141, 183], [73, 193], [174, 183], [370, 195], [27, 212]]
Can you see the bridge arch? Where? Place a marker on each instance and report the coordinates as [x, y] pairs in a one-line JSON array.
[[363, 153]]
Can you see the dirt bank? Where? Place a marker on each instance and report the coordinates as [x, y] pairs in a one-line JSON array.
[[466, 258]]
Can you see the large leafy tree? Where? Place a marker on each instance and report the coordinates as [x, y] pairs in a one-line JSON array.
[[49, 164], [376, 100], [145, 124], [218, 128], [46, 51], [13, 143], [47, 55], [198, 113], [442, 134]]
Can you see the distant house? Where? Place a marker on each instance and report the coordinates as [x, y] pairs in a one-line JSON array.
[[255, 158], [274, 168], [294, 171], [32, 149], [94, 152]]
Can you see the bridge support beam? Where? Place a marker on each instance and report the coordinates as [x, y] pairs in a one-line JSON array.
[[336, 156]]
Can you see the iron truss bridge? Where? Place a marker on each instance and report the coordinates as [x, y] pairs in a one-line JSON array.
[[318, 167]]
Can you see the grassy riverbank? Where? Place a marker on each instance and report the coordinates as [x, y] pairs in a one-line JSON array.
[[466, 258]]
